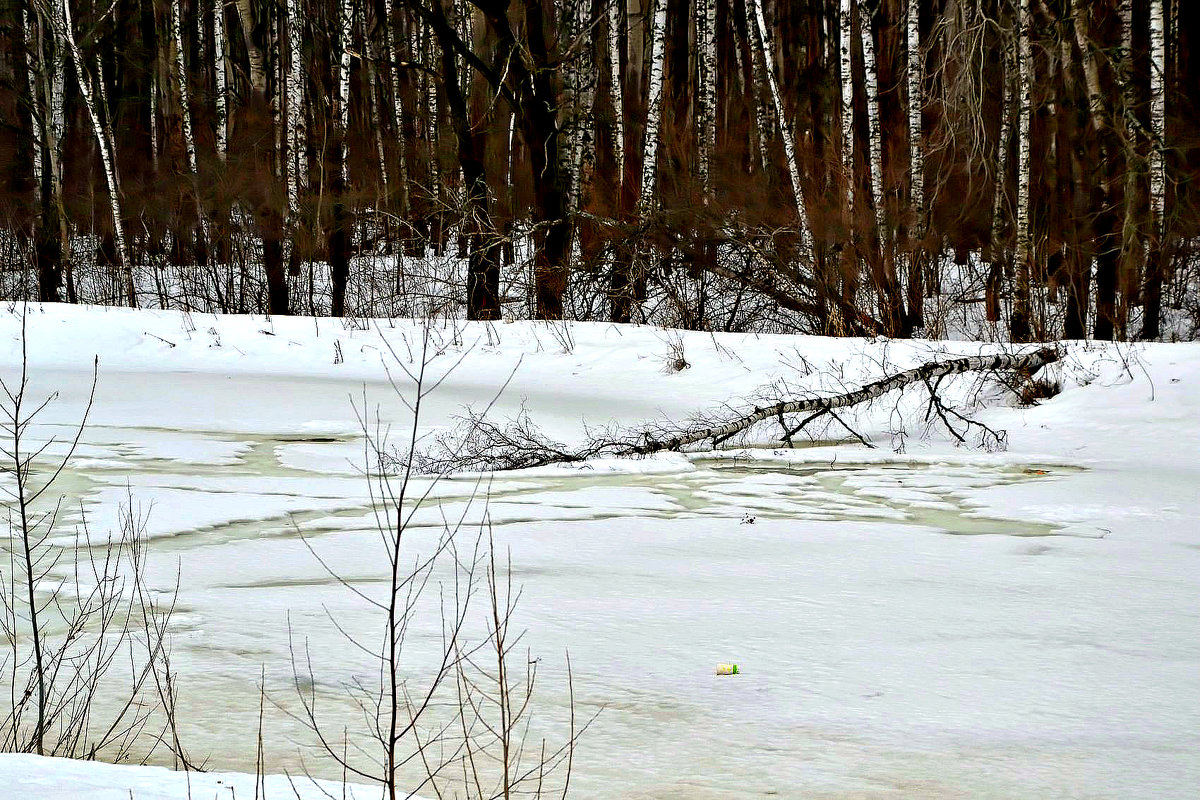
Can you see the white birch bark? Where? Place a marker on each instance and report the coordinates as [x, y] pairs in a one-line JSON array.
[[846, 76], [154, 121], [346, 10], [277, 122], [31, 71], [1006, 64], [431, 94], [871, 78], [658, 36], [1158, 114], [759, 66], [916, 153], [618, 94], [706, 119], [1024, 154], [297, 159], [103, 141], [393, 45], [1024, 173], [583, 160], [218, 18], [181, 86], [785, 128]]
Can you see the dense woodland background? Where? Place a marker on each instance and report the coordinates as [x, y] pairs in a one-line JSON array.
[[832, 166]]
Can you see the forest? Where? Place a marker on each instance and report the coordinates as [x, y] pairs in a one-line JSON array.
[[848, 167]]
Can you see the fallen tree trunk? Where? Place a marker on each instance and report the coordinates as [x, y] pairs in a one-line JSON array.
[[1028, 363], [481, 445]]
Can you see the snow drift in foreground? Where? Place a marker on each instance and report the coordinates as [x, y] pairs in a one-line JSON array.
[[918, 620], [29, 776]]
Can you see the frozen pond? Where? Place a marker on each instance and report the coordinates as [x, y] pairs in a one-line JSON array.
[[899, 634]]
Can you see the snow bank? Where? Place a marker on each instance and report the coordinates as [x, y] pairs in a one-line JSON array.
[[30, 777]]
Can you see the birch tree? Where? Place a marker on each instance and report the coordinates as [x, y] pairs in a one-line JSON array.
[[658, 34], [346, 19], [104, 143], [1103, 130], [871, 78], [846, 76], [46, 46], [1132, 246], [706, 119], [789, 142], [392, 40], [618, 94], [1020, 326], [916, 153], [581, 68], [760, 72], [189, 141], [297, 137], [914, 78], [995, 253], [219, 81], [339, 233], [31, 77], [1152, 308], [261, 195]]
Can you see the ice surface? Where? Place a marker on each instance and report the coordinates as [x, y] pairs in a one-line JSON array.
[[1053, 651]]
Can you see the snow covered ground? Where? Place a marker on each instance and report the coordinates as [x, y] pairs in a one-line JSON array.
[[917, 620]]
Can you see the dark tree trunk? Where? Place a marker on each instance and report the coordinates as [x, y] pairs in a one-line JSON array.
[[1152, 292], [50, 241], [1108, 256], [339, 255], [276, 270], [483, 270]]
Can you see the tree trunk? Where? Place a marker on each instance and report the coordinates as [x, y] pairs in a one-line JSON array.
[[103, 141], [785, 128], [297, 160], [1152, 308], [52, 241], [269, 215], [706, 118], [1076, 267], [846, 78], [220, 90], [1133, 251], [392, 41], [996, 250], [658, 33], [914, 76], [185, 113], [483, 270], [1020, 325], [1105, 226]]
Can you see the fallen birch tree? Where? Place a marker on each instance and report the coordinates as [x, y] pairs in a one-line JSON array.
[[479, 444]]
